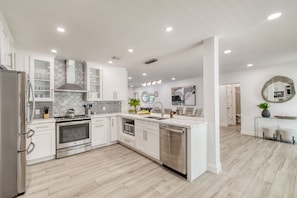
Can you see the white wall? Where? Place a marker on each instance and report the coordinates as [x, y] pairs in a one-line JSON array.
[[165, 92], [251, 82]]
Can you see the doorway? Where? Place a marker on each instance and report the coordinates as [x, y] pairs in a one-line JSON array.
[[230, 105]]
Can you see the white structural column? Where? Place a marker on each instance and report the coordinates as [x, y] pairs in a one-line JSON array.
[[211, 102]]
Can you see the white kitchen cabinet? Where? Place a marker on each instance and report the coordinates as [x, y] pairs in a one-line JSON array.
[[45, 142], [42, 77], [113, 129], [99, 132], [115, 83], [22, 61], [93, 76], [6, 45], [147, 138]]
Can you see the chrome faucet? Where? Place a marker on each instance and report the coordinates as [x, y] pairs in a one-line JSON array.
[[162, 112]]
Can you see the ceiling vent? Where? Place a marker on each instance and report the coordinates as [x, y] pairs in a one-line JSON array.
[[151, 61]]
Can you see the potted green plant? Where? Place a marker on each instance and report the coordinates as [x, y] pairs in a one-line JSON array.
[[134, 103], [265, 106]]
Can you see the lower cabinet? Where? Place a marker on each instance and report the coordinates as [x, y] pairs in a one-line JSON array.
[[113, 129], [99, 132], [45, 142], [147, 138]]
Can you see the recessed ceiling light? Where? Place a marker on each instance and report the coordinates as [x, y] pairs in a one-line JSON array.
[[130, 50], [169, 29], [249, 65], [60, 29], [129, 78], [274, 16], [54, 51], [131, 86], [172, 78], [110, 62], [227, 51], [144, 74]]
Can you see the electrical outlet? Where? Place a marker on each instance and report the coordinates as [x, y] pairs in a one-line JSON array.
[[37, 111], [103, 108]]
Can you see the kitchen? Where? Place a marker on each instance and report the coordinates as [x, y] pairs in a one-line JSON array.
[[55, 100]]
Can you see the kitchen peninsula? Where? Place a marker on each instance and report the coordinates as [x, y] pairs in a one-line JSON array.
[[146, 138]]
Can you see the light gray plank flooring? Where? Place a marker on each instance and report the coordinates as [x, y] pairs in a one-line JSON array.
[[252, 167]]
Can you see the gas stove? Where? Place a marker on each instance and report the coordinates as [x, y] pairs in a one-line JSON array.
[[75, 118]]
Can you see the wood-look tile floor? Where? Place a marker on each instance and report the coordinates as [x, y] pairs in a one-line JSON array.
[[252, 167]]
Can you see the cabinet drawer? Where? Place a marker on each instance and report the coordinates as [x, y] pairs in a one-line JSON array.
[[128, 140], [147, 125], [98, 121], [42, 127]]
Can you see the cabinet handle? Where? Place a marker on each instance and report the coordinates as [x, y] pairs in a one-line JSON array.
[[99, 125], [43, 127], [111, 122]]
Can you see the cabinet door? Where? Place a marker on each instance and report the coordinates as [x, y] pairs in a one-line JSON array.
[[153, 144], [109, 84], [42, 77], [113, 129], [94, 82], [6, 48], [22, 61], [45, 145], [99, 132], [140, 137], [121, 88]]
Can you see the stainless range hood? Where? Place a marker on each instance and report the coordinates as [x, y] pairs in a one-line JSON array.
[[70, 85]]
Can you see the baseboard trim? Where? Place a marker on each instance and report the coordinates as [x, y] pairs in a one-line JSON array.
[[214, 168]]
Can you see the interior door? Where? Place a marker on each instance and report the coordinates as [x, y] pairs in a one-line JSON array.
[[230, 106]]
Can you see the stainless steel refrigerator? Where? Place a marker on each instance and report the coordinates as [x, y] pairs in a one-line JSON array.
[[16, 110]]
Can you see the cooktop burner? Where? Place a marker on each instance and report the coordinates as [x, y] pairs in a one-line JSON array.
[[76, 118]]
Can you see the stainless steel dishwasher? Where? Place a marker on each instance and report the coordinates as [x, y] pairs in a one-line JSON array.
[[173, 147]]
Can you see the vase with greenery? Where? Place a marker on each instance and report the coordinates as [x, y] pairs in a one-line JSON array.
[[265, 106], [134, 103]]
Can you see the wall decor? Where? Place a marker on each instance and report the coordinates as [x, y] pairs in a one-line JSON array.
[[278, 89], [183, 95]]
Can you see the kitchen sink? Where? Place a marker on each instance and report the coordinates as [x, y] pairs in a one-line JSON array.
[[156, 118]]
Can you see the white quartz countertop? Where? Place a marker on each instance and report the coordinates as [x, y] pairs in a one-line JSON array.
[[183, 121], [39, 121], [104, 115]]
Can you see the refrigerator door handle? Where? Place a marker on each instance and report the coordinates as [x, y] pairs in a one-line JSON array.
[[30, 148], [30, 133], [33, 101]]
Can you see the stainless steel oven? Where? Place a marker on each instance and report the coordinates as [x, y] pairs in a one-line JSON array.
[[73, 136]]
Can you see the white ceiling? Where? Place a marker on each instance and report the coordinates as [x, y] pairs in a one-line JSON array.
[[96, 30]]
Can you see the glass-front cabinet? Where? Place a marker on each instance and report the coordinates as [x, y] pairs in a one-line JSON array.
[[42, 77], [94, 81]]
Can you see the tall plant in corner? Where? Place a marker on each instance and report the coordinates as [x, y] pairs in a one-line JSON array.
[[134, 103], [265, 106]]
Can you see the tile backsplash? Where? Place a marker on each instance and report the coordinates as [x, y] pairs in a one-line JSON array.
[[40, 106], [69, 100]]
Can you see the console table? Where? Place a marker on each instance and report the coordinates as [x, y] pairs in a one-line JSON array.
[[285, 122]]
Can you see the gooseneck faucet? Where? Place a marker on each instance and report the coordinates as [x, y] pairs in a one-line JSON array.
[[162, 112]]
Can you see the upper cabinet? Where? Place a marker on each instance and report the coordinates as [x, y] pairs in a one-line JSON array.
[[6, 45], [42, 77], [93, 78], [41, 70], [115, 83]]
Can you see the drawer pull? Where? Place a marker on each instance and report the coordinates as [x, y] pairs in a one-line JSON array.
[[42, 127]]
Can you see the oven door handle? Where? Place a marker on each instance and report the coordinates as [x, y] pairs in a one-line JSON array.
[[73, 122]]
